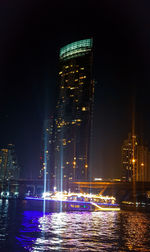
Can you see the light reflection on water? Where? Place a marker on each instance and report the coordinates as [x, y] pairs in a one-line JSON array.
[[76, 230], [73, 231], [92, 231], [136, 228]]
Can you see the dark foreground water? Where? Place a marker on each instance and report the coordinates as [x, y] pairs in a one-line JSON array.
[[23, 229]]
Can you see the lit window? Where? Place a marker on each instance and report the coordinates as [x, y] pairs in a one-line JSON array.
[[64, 141]]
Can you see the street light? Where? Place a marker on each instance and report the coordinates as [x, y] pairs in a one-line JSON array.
[[133, 161]]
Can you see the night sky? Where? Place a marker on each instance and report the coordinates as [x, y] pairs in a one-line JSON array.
[[31, 34]]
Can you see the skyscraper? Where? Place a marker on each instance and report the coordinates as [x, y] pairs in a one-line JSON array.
[[47, 149], [127, 156], [9, 168], [74, 111], [141, 160], [143, 163]]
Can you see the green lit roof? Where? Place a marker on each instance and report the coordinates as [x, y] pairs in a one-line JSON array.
[[76, 49]]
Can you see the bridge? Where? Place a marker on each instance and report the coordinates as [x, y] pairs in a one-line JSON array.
[[121, 190]]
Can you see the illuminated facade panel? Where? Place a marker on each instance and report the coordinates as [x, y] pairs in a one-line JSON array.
[[76, 49]]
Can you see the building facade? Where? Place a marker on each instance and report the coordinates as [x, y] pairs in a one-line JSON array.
[[127, 158], [140, 161], [47, 149], [143, 163], [74, 112], [9, 168]]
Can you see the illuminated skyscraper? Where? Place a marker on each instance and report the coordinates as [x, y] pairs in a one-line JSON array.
[[143, 163], [141, 160], [47, 149], [74, 111], [127, 154], [9, 168]]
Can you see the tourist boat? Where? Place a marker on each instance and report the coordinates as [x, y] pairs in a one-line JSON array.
[[78, 201]]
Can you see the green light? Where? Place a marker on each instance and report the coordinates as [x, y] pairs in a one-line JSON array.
[[76, 49]]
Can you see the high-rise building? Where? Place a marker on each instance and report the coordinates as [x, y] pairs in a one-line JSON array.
[[9, 168], [141, 160], [142, 163], [127, 158], [47, 149], [74, 111]]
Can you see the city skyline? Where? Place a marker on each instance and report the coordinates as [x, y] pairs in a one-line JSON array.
[[29, 51], [74, 125]]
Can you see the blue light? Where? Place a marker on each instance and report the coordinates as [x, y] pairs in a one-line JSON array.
[[45, 158], [29, 226]]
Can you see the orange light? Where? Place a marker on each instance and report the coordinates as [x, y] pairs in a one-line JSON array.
[[133, 161]]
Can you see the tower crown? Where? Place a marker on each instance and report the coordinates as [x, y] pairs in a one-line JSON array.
[[76, 49]]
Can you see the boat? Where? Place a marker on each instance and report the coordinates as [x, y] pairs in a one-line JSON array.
[[78, 201]]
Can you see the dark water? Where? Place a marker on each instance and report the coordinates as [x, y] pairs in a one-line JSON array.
[[25, 230]]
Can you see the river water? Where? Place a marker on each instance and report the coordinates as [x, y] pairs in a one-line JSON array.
[[29, 230]]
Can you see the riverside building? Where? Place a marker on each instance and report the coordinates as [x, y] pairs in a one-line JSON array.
[[9, 168], [141, 160], [74, 112]]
